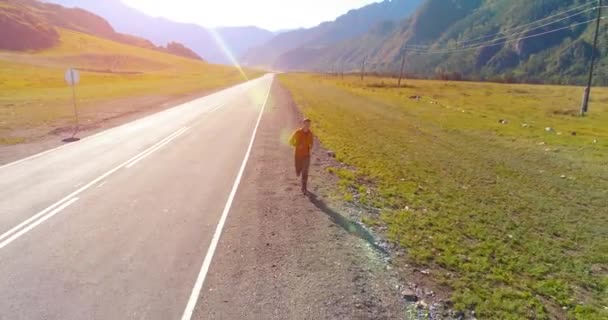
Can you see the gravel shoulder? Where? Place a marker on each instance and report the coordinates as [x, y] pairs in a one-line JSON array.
[[286, 256]]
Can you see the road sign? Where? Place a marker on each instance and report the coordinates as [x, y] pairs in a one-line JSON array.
[[72, 77]]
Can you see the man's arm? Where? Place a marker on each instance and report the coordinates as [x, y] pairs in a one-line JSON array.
[[311, 142], [294, 139]]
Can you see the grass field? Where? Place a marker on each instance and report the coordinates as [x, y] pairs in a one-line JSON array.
[[33, 92], [512, 216]]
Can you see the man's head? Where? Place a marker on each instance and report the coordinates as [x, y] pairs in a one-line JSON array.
[[306, 124]]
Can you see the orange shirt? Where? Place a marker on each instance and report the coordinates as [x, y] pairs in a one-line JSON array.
[[302, 141]]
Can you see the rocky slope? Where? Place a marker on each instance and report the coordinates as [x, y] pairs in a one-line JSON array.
[[31, 25]]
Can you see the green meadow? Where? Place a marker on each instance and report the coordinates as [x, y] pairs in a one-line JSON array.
[[501, 191]]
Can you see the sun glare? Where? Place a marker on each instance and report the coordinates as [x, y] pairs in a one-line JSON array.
[[220, 42], [272, 15]]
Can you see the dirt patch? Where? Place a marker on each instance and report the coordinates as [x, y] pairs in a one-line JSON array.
[[567, 112], [391, 85], [109, 71]]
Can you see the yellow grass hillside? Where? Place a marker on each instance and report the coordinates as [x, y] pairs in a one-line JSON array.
[[35, 99]]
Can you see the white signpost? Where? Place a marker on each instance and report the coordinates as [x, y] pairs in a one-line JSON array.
[[72, 78]]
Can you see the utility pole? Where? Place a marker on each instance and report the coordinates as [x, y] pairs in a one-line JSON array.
[[363, 68], [401, 71], [587, 93], [342, 70]]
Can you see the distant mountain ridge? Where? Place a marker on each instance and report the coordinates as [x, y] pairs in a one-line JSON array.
[[161, 31], [276, 52], [455, 39]]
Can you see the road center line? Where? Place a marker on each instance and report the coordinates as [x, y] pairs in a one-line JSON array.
[[38, 222], [198, 285], [28, 221], [155, 148], [42, 215], [216, 108], [143, 153]]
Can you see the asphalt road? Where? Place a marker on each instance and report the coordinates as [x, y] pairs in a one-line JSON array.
[[117, 226]]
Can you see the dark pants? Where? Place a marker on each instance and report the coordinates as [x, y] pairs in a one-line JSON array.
[[302, 165]]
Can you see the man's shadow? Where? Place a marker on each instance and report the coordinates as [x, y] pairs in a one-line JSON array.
[[350, 226]]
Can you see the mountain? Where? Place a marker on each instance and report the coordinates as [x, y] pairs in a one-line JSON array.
[[162, 31], [479, 40], [32, 25], [556, 57], [22, 30], [350, 25], [241, 39]]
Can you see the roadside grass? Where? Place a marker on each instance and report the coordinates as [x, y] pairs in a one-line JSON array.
[[34, 92], [512, 216]]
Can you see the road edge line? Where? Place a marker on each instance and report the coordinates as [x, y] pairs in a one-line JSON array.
[[200, 280]]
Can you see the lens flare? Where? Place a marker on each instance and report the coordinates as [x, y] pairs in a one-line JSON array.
[[222, 44], [285, 136]]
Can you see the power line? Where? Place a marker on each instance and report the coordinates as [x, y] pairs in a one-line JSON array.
[[537, 21], [524, 25], [528, 30], [504, 42]]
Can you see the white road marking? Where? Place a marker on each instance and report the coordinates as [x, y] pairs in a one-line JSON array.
[[28, 221], [198, 285], [38, 222], [102, 184], [216, 95], [42, 215], [81, 140], [33, 156], [52, 150], [157, 147], [216, 108]]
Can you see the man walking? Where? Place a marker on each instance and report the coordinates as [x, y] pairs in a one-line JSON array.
[[302, 140]]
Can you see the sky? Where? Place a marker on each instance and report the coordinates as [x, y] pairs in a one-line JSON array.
[[272, 15]]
